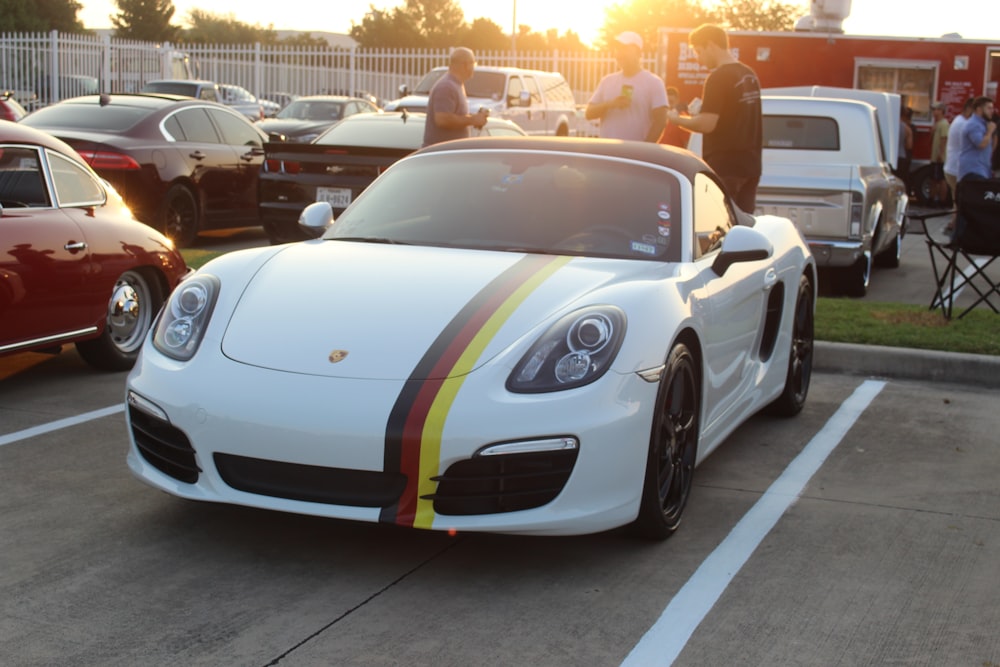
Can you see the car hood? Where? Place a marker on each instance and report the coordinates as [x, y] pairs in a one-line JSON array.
[[293, 126], [381, 312]]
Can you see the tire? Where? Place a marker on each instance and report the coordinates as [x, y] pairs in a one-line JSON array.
[[800, 355], [181, 216], [133, 304], [921, 184], [853, 280], [673, 447], [889, 258]]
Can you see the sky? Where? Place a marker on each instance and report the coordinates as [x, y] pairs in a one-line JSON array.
[[585, 17]]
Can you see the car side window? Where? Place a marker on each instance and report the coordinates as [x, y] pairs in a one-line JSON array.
[[21, 181], [235, 131], [536, 93], [712, 216], [514, 88], [192, 125], [74, 185]]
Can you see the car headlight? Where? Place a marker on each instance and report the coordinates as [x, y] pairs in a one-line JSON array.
[[182, 323], [575, 351]]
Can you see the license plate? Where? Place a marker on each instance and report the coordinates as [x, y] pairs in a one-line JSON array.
[[338, 197]]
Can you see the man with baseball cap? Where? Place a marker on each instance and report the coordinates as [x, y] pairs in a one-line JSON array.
[[631, 103]]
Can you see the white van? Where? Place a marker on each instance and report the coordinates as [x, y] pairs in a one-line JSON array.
[[539, 102]]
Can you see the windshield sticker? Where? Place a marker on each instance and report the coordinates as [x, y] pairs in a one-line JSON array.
[[644, 248]]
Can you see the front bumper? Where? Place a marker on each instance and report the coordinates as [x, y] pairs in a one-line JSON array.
[[241, 422]]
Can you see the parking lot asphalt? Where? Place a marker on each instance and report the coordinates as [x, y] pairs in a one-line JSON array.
[[912, 283]]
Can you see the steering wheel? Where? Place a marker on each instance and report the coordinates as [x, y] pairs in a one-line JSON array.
[[595, 236]]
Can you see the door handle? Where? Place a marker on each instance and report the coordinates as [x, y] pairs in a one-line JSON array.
[[75, 246], [197, 155]]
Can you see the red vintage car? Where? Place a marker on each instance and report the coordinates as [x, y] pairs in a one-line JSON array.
[[75, 264]]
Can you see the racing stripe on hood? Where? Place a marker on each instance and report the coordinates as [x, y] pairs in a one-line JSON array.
[[413, 433]]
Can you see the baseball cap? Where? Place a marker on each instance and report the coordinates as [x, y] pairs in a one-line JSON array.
[[631, 38]]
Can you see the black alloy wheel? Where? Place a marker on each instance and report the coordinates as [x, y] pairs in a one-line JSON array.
[[673, 448]]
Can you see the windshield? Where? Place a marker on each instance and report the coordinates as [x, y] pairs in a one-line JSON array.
[[312, 110], [376, 132], [482, 84], [524, 201]]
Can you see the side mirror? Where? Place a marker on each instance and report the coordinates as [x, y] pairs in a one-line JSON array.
[[404, 90], [276, 137], [742, 244], [316, 218]]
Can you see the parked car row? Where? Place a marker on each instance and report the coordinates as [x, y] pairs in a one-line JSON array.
[[535, 296], [237, 97], [305, 118]]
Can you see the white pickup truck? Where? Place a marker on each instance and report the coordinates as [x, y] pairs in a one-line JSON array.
[[539, 102], [828, 157]]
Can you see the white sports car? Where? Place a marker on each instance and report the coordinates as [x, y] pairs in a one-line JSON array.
[[518, 335]]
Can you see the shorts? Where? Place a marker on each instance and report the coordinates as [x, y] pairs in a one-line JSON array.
[[937, 171]]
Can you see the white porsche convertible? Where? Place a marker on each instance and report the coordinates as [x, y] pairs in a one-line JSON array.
[[518, 335]]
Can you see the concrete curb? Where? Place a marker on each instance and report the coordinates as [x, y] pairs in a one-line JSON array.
[[907, 364]]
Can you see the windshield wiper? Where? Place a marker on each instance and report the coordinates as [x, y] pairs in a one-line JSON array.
[[370, 239]]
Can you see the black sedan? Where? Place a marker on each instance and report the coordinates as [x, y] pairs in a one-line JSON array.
[[307, 117], [183, 166]]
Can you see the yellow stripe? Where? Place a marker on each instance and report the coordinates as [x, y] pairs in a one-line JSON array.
[[430, 448]]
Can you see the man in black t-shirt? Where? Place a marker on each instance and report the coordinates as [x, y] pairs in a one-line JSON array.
[[729, 117]]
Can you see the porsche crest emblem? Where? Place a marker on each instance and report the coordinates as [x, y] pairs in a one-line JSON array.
[[337, 356]]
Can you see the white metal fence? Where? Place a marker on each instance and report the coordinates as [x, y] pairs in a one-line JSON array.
[[54, 66]]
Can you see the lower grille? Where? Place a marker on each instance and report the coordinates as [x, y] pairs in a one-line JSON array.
[[164, 446], [504, 483], [314, 484]]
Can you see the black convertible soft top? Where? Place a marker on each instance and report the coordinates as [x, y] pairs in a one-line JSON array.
[[682, 160]]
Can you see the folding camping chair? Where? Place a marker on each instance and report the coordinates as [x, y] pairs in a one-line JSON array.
[[977, 241]]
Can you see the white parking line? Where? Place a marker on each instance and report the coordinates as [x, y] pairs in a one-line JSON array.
[[663, 642], [62, 423]]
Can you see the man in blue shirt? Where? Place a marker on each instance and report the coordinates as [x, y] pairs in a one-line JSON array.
[[978, 141]]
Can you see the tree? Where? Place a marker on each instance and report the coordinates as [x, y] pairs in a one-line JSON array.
[[440, 21], [146, 20], [757, 14], [485, 35], [387, 29], [209, 28], [646, 17], [567, 42], [40, 15], [416, 24]]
